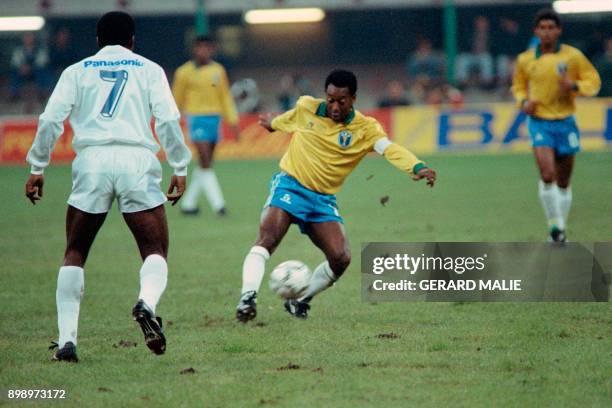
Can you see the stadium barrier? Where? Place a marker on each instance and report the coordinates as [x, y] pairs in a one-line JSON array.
[[496, 127]]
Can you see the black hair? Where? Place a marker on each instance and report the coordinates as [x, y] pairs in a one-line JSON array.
[[115, 28], [342, 79], [203, 39], [547, 14]]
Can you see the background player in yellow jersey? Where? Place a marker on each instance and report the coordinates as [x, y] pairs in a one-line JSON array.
[[329, 139], [546, 82], [202, 93]]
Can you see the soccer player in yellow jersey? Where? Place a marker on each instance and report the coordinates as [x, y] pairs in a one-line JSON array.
[[546, 81], [329, 139], [202, 93]]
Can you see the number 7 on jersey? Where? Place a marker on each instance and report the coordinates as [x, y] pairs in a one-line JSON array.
[[119, 78]]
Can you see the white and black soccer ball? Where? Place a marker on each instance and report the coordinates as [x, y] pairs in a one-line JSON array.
[[290, 279]]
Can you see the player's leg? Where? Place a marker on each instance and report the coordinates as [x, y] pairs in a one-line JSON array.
[[568, 141], [331, 239], [81, 230], [150, 230], [547, 190], [273, 226], [564, 166], [208, 179]]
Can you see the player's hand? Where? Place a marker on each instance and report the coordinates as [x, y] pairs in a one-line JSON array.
[[265, 121], [566, 85], [176, 183], [529, 107], [426, 173], [34, 187]]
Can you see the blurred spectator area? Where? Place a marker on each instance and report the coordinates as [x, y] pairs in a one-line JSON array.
[[380, 45]]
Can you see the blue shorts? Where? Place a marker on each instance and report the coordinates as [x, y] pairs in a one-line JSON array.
[[204, 128], [304, 205], [561, 135]]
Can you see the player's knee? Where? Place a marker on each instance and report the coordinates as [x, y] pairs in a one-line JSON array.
[[547, 176], [563, 183], [268, 241], [339, 261], [205, 163]]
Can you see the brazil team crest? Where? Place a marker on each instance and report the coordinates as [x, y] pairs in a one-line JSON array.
[[562, 68], [344, 139]]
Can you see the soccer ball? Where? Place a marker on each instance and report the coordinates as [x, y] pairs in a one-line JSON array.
[[290, 279]]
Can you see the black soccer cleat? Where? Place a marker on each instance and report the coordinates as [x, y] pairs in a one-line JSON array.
[[297, 308], [557, 236], [151, 326], [247, 306], [222, 212], [66, 353]]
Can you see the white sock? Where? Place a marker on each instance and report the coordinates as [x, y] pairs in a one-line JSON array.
[[70, 286], [322, 278], [565, 201], [153, 280], [550, 203], [253, 268], [189, 201], [210, 185]]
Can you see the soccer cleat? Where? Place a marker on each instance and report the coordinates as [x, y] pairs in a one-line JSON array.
[[151, 326], [66, 353], [222, 212], [247, 306], [191, 211], [557, 235], [297, 308]]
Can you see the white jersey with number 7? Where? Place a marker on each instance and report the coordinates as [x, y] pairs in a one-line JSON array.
[[109, 99]]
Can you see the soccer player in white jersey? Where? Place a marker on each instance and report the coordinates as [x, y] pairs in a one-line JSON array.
[[110, 98]]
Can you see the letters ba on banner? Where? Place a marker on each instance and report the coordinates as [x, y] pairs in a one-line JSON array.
[[488, 272]]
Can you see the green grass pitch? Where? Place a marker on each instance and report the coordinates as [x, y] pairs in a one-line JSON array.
[[463, 354]]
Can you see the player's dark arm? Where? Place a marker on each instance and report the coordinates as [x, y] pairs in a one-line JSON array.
[[405, 160]]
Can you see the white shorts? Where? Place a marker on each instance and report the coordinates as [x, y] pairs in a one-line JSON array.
[[131, 174]]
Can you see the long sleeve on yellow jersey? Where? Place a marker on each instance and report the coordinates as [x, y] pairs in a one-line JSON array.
[[589, 81], [403, 158], [285, 122], [519, 84]]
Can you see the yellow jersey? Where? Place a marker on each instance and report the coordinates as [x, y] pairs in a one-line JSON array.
[[204, 90], [537, 75], [322, 153]]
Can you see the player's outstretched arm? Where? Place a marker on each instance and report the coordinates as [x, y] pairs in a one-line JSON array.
[[284, 122], [405, 160]]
